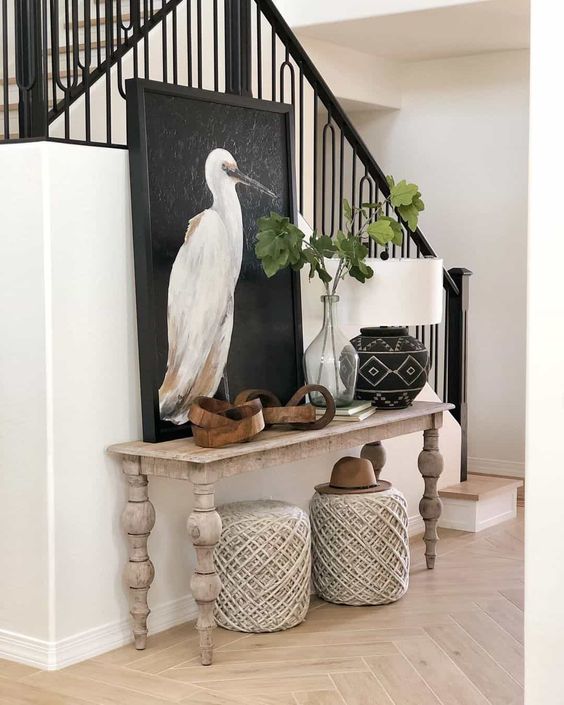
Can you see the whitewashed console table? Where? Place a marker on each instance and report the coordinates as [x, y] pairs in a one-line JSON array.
[[204, 467]]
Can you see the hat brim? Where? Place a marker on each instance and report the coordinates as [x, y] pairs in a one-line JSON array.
[[326, 488]]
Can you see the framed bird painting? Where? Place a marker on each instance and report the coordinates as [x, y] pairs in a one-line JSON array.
[[204, 167]]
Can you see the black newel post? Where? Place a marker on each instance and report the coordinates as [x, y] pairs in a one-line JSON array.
[[458, 358], [29, 68], [238, 66]]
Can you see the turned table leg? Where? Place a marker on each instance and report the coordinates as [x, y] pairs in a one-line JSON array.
[[138, 519], [204, 526], [430, 464], [376, 453]]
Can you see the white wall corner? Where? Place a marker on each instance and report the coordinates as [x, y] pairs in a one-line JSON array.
[[299, 13], [360, 81]]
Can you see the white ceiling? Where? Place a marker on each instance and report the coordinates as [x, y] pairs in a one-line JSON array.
[[474, 28]]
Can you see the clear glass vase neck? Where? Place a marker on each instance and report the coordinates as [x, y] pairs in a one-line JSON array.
[[330, 309]]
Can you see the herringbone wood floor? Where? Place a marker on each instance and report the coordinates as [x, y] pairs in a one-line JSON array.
[[454, 639]]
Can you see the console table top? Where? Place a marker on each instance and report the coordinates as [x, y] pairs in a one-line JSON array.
[[278, 445]]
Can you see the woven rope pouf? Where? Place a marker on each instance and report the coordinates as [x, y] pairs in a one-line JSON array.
[[360, 547], [264, 562]]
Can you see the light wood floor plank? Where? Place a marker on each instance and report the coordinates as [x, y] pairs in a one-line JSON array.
[[506, 614], [208, 698], [268, 685], [160, 659], [127, 678], [516, 596], [302, 653], [155, 642], [360, 689], [13, 670], [100, 693], [319, 697], [412, 602], [381, 619], [18, 693], [442, 676], [249, 669], [401, 681], [490, 679], [298, 637], [167, 658], [498, 643], [480, 591]]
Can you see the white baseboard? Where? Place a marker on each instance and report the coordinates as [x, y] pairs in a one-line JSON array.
[[490, 466], [54, 655], [24, 649], [415, 525]]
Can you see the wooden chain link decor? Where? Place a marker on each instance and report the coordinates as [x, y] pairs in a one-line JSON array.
[[360, 547], [263, 560]]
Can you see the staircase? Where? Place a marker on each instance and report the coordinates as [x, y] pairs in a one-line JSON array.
[[482, 501], [63, 67]]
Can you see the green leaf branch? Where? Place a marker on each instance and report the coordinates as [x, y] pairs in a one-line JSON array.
[[281, 244]]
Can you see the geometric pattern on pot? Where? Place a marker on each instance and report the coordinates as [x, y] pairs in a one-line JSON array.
[[374, 371], [392, 400], [410, 370], [392, 344], [393, 369]]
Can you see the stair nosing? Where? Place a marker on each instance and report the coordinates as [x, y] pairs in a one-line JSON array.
[[503, 486]]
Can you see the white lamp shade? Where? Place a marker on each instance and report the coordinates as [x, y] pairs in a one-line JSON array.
[[402, 292]]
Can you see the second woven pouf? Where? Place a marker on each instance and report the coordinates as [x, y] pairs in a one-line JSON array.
[[360, 547], [264, 562]]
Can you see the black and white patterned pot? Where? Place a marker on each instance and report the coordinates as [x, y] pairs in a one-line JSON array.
[[393, 367]]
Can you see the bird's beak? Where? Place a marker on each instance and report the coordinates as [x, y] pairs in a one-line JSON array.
[[244, 179]]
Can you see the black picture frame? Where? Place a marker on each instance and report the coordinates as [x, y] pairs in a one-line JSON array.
[[142, 97]]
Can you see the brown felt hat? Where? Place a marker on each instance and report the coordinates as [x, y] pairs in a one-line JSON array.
[[352, 476]]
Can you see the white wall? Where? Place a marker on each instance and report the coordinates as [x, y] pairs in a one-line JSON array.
[[85, 282], [344, 69], [544, 531], [24, 415], [299, 13], [461, 134]]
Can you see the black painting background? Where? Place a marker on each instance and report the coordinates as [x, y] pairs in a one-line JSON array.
[[181, 131]]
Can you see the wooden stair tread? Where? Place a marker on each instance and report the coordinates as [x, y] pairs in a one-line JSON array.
[[477, 487], [12, 107], [12, 79], [81, 47], [126, 17]]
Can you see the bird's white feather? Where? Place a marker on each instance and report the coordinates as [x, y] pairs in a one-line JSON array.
[[200, 315], [201, 291]]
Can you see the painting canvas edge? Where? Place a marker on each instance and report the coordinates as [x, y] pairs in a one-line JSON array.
[[138, 161]]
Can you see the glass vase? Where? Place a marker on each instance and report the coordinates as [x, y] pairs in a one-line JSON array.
[[331, 360]]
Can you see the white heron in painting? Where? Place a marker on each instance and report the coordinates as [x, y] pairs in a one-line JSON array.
[[201, 291]]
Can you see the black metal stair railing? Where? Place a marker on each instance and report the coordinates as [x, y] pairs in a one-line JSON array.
[[63, 69]]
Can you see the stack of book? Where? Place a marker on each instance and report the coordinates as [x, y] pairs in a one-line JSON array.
[[357, 411]]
